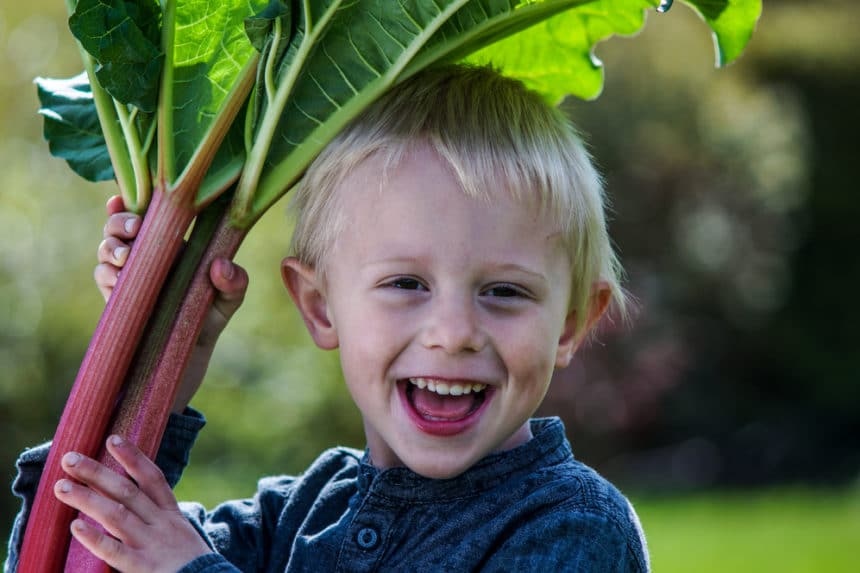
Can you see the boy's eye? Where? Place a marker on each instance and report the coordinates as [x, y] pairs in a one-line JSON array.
[[505, 291], [406, 283]]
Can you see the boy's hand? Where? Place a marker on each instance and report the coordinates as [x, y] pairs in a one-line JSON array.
[[148, 533], [230, 282]]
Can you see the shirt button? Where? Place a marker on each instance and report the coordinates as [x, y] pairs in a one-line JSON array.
[[367, 538]]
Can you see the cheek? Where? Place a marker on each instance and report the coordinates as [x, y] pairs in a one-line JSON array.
[[531, 354], [369, 342]]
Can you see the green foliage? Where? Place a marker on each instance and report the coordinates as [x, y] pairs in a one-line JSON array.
[[556, 57], [209, 52], [342, 61], [733, 22], [319, 69], [124, 39], [72, 126], [329, 75], [260, 26]]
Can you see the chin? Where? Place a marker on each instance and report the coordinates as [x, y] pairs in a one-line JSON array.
[[439, 469]]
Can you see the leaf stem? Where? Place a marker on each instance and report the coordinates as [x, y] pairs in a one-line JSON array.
[[257, 158], [270, 63], [112, 131], [150, 135], [166, 159], [143, 183], [250, 116], [197, 167]]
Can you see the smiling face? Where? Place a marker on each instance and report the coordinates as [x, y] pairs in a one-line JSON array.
[[450, 313]]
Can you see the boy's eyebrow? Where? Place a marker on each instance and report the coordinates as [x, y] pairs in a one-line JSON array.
[[519, 268], [505, 267]]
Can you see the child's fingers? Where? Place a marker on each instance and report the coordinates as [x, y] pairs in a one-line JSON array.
[[115, 205], [102, 546], [117, 518], [231, 282], [119, 489], [124, 225], [117, 555], [148, 477], [106, 276], [113, 251]]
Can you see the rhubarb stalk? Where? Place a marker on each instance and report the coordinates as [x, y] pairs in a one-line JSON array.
[[85, 417], [160, 363]]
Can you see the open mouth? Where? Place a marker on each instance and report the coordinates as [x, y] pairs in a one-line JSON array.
[[442, 407]]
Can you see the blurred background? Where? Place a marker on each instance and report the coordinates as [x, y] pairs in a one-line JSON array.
[[729, 409]]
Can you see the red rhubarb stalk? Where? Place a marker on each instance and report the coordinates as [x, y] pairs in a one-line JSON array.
[[165, 349], [144, 411], [94, 394]]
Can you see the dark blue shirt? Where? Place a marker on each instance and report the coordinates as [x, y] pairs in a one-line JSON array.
[[532, 508]]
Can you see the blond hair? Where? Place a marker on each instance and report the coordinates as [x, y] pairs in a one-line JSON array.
[[495, 134]]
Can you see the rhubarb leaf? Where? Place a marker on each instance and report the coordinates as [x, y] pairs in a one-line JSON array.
[[370, 46], [360, 54], [123, 37], [259, 26], [72, 126], [479, 24], [208, 54], [556, 56], [733, 23]]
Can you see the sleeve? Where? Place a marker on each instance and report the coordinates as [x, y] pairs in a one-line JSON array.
[[172, 458], [574, 542], [243, 533], [212, 563]]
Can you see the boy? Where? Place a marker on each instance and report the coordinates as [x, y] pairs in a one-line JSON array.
[[452, 244]]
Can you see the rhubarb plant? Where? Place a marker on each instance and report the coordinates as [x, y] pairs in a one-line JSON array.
[[214, 110]]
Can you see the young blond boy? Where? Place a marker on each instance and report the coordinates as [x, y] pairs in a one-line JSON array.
[[452, 244]]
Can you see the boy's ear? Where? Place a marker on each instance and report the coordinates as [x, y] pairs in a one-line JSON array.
[[570, 339], [306, 291]]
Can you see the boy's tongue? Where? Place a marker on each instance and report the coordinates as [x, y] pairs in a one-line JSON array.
[[432, 405]]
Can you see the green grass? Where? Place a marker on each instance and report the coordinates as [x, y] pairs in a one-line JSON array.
[[789, 531]]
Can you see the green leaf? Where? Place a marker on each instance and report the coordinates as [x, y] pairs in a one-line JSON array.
[[362, 52], [259, 26], [208, 53], [482, 23], [72, 126], [372, 45], [226, 165], [733, 23], [123, 37], [556, 56]]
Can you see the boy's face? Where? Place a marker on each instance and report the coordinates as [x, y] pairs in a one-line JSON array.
[[427, 288]]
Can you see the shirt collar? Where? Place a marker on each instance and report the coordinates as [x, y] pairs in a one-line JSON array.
[[548, 446]]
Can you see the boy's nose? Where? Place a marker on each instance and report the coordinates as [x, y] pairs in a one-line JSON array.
[[453, 326]]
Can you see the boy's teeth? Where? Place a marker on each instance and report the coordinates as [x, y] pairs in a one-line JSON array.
[[445, 389]]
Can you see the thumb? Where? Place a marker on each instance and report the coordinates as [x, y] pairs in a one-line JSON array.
[[230, 282]]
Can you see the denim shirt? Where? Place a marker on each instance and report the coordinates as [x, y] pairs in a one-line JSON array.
[[532, 508]]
